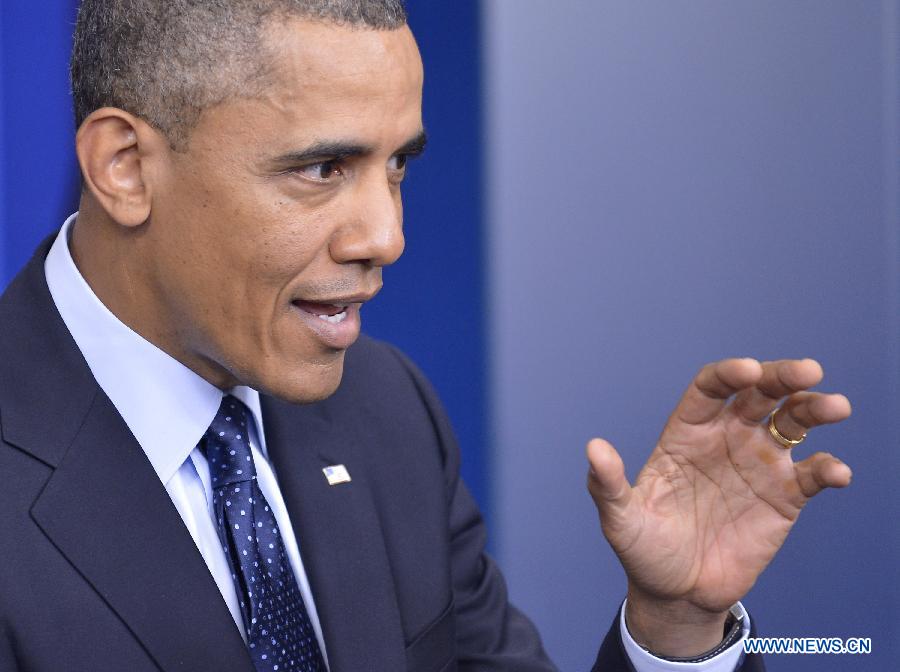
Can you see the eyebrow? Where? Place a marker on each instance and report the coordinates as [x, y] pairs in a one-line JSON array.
[[336, 150], [415, 146]]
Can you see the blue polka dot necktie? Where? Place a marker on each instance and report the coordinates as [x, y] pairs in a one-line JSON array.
[[279, 633]]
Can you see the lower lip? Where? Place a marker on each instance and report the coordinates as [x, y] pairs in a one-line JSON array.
[[338, 336]]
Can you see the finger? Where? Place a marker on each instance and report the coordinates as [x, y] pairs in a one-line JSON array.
[[606, 478], [820, 471], [779, 379], [804, 410], [710, 390]]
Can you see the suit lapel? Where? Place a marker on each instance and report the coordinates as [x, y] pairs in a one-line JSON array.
[[106, 511], [340, 537], [103, 506]]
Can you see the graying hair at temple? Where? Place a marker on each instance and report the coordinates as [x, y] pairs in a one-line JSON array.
[[166, 61]]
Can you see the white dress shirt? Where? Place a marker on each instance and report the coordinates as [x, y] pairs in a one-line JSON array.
[[145, 384]]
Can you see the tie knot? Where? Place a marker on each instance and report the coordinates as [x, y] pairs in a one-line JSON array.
[[226, 444]]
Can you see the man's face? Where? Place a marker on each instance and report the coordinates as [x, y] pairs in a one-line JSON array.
[[273, 226]]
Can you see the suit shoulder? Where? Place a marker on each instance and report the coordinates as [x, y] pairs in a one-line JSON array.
[[390, 388], [373, 365]]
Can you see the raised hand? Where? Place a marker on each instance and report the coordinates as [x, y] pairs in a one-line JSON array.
[[716, 498]]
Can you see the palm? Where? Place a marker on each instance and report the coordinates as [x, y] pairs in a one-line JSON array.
[[710, 525], [717, 496]]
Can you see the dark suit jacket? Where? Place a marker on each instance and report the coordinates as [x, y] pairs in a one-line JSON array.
[[98, 572]]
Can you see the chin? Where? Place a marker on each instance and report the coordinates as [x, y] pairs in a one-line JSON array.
[[306, 384]]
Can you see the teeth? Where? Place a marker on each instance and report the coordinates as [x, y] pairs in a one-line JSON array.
[[334, 319]]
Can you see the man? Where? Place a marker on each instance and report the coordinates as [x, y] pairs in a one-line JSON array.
[[206, 470]]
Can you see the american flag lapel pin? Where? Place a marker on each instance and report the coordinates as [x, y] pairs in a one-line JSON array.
[[337, 474]]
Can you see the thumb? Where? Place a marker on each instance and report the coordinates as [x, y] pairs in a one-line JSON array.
[[606, 481]]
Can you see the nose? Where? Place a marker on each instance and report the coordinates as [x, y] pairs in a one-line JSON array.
[[373, 233]]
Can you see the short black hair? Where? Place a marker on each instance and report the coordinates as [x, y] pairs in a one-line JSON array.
[[166, 61]]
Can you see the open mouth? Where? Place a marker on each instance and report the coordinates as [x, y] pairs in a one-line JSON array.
[[334, 313], [334, 322]]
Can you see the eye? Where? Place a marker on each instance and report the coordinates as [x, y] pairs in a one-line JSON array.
[[396, 168], [320, 172], [397, 163]]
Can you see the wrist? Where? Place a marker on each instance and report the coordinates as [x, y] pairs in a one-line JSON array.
[[673, 629]]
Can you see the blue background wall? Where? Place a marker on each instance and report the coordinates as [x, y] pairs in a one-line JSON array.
[[670, 183], [658, 184], [38, 172], [432, 304]]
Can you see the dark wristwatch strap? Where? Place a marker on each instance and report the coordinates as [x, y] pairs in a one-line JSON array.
[[734, 627]]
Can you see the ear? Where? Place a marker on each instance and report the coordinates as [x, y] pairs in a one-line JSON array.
[[117, 152]]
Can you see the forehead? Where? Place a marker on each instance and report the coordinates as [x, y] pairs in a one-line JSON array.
[[332, 76], [321, 54], [323, 82]]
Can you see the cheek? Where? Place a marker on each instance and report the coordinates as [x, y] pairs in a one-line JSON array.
[[284, 245], [238, 245], [274, 254]]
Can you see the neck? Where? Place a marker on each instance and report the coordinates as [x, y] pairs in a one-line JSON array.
[[117, 265]]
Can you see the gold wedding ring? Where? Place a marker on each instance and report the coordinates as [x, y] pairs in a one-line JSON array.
[[782, 440]]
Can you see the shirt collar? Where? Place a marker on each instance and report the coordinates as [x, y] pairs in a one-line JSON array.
[[166, 406]]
